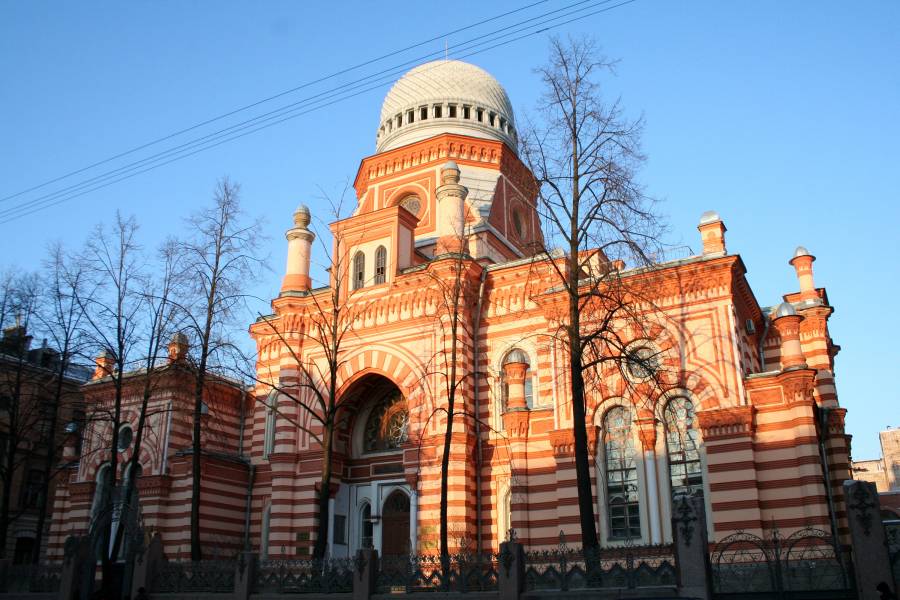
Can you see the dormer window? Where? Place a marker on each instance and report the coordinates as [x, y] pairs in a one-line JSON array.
[[380, 264], [359, 270]]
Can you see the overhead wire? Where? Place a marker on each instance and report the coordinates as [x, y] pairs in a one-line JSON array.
[[256, 103], [388, 74], [297, 109]]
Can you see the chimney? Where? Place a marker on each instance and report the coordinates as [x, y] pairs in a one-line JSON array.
[[802, 263], [787, 323], [105, 365], [712, 233], [451, 204], [300, 240], [178, 348]]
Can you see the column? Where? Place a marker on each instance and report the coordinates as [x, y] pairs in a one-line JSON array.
[[647, 433]]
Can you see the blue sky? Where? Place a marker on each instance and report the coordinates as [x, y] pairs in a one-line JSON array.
[[781, 116]]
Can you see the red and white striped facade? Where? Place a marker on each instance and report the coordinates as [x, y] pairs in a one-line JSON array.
[[756, 379]]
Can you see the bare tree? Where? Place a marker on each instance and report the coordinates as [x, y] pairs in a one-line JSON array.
[[61, 314], [160, 318], [457, 287], [112, 316], [327, 330], [584, 155], [19, 294], [219, 260]]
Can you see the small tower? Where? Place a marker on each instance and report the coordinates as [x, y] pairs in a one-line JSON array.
[[787, 323], [178, 348], [451, 205], [802, 263], [712, 233], [105, 365], [300, 239]]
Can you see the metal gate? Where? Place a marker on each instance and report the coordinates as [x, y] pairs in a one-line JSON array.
[[804, 566]]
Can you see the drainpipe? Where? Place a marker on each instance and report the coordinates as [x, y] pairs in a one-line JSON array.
[[832, 517], [250, 479], [478, 457], [241, 430], [762, 341]]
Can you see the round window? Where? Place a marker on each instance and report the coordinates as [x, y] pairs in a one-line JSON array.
[[126, 434], [641, 362]]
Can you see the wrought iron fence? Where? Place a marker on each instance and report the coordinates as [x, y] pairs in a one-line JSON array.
[[565, 568], [40, 578], [214, 576], [463, 573], [806, 561], [325, 576]]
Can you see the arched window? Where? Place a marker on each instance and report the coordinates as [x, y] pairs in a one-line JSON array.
[[622, 503], [387, 427], [504, 515], [518, 355], [380, 264], [104, 481], [271, 422], [365, 527], [683, 448], [264, 533], [359, 270]]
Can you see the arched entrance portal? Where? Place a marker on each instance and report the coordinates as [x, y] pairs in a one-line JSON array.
[[395, 519], [375, 505]]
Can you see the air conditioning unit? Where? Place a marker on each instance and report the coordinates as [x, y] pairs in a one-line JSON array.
[[750, 326]]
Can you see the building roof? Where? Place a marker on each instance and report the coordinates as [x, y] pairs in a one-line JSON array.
[[445, 82]]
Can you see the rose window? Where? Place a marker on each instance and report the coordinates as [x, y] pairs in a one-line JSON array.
[[387, 427]]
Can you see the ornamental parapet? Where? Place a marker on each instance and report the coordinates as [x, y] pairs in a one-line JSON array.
[[726, 422]]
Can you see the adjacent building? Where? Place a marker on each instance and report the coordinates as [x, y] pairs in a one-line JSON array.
[[37, 412], [884, 472]]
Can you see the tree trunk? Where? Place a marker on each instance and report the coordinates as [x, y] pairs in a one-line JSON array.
[[44, 500], [196, 554], [7, 488], [321, 545], [13, 442]]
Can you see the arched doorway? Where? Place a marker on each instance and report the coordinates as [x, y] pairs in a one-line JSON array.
[[395, 525]]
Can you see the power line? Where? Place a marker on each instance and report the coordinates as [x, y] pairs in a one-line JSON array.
[[276, 117], [389, 75], [386, 75], [269, 99]]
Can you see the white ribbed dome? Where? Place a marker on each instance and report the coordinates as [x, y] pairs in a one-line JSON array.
[[453, 97]]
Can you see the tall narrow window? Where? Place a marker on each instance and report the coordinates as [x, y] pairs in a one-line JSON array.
[[623, 510], [359, 270], [380, 264], [504, 518], [685, 474], [365, 527], [264, 533], [104, 481], [271, 422]]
